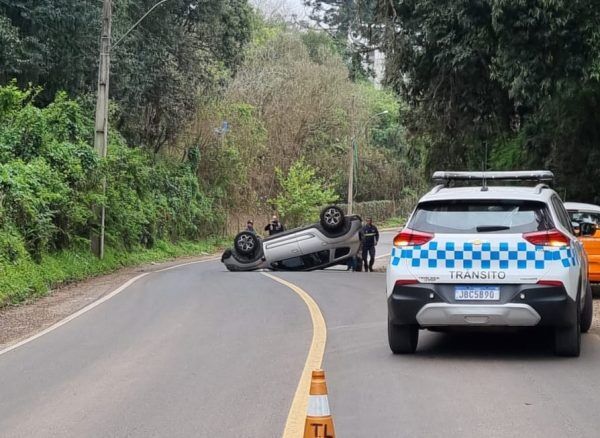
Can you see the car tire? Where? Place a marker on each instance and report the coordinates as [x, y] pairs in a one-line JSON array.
[[332, 218], [588, 310], [567, 340], [246, 243], [403, 339]]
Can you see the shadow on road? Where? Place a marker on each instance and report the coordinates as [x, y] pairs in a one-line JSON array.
[[529, 344]]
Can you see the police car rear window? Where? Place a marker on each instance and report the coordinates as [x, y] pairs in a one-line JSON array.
[[481, 216]]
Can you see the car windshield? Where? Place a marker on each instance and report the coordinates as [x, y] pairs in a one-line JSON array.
[[481, 216], [584, 216]]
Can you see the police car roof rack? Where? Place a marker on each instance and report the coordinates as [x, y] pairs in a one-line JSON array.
[[540, 187], [445, 178]]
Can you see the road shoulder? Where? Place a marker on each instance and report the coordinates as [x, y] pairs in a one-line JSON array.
[[24, 320]]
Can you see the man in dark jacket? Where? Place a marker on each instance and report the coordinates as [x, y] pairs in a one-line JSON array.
[[370, 239], [274, 226]]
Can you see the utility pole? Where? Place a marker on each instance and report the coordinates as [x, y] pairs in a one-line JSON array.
[[351, 163], [101, 127], [351, 176], [353, 155]]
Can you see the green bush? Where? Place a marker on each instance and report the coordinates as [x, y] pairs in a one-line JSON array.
[[302, 193], [50, 177]]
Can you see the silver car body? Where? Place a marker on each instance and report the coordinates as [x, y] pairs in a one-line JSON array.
[[301, 249]]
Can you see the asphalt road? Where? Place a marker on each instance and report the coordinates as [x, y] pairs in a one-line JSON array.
[[199, 351]]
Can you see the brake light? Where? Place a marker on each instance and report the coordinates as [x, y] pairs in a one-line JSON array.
[[408, 237], [553, 283], [406, 282], [547, 238]]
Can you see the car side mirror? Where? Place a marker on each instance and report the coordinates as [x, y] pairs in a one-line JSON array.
[[576, 228], [588, 229]]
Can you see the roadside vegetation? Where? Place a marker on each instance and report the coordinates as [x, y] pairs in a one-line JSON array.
[[214, 111], [217, 113], [518, 79]]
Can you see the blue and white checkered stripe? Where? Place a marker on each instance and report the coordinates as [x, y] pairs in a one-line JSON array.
[[503, 255]]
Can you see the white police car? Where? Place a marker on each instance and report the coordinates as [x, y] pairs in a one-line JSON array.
[[488, 256]]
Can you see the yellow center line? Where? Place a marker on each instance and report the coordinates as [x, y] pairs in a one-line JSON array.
[[294, 426]]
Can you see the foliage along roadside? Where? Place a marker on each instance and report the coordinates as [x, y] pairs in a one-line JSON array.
[[50, 178], [292, 100], [518, 81]]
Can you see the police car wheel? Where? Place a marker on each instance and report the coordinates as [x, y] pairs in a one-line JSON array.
[[403, 339], [332, 218], [588, 310], [567, 340], [246, 243]]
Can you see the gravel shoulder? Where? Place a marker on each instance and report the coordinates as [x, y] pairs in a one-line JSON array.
[[22, 321]]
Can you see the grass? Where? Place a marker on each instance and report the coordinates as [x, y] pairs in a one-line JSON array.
[[26, 279], [393, 222]]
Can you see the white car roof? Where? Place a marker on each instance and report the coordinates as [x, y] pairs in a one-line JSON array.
[[492, 192], [579, 206]]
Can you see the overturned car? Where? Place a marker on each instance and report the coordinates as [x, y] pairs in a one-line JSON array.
[[331, 241]]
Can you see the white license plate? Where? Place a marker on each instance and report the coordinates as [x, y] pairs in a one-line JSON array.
[[477, 293]]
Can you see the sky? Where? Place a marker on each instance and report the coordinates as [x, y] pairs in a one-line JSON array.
[[285, 8]]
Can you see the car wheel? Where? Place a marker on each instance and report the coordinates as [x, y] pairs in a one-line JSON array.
[[588, 310], [567, 340], [403, 339], [246, 243], [332, 218]]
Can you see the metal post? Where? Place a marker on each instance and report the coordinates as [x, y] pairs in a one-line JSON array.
[[101, 127], [351, 176], [351, 160]]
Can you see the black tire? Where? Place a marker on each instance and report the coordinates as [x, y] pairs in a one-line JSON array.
[[587, 313], [403, 339], [332, 218], [567, 340], [246, 243]]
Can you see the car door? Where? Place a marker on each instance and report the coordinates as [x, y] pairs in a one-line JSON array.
[[281, 248], [310, 241]]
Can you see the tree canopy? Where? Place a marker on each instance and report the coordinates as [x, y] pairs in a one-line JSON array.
[[518, 76]]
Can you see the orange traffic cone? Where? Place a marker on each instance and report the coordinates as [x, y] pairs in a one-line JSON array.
[[319, 423]]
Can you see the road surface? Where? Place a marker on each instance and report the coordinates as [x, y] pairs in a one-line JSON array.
[[199, 351]]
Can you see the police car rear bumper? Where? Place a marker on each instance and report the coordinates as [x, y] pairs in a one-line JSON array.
[[431, 305]]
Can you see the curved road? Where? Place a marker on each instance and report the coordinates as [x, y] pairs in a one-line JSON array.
[[198, 351]]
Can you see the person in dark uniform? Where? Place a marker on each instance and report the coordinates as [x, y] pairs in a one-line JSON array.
[[370, 235], [274, 226]]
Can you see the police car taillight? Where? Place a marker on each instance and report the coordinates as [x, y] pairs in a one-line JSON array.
[[408, 237], [553, 283], [406, 282], [547, 238]]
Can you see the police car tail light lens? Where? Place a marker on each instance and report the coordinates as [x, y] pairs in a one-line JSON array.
[[547, 238], [408, 237], [405, 282], [553, 283]]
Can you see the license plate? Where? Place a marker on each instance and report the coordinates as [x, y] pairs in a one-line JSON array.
[[477, 293]]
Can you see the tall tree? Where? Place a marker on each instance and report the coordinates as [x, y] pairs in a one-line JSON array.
[[178, 52], [501, 72]]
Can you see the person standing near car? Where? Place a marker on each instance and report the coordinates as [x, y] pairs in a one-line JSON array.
[[250, 226], [274, 226], [370, 239]]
